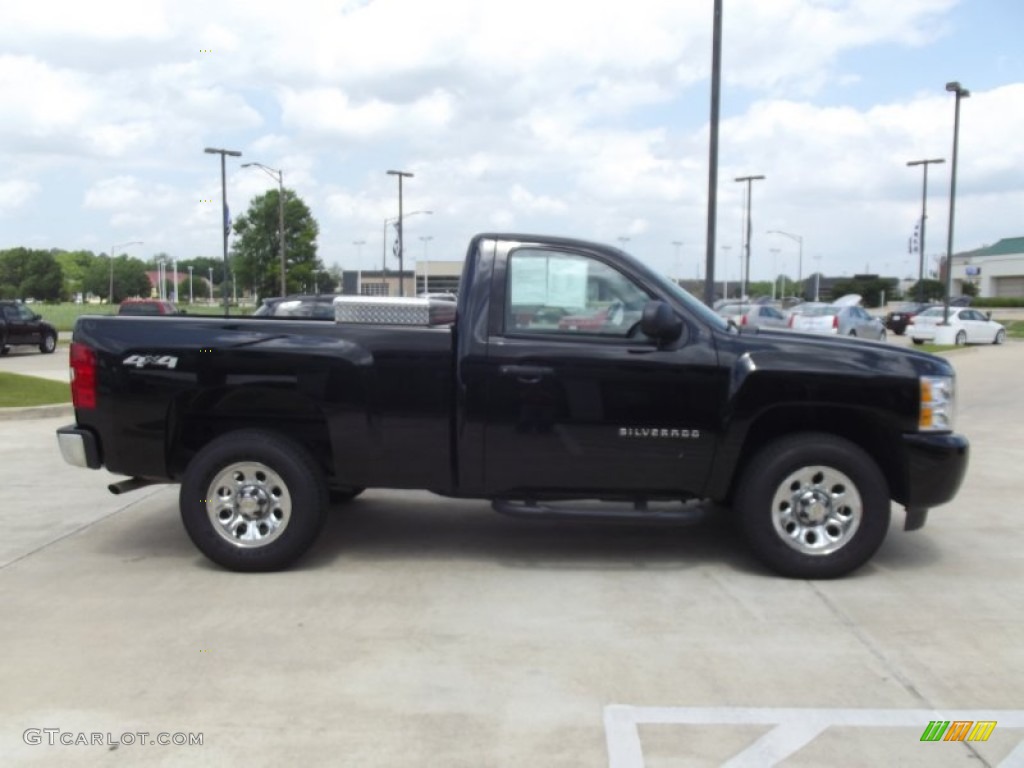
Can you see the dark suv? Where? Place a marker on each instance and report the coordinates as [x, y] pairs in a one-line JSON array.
[[20, 325]]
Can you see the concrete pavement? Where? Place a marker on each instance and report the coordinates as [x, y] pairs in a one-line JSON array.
[[425, 631]]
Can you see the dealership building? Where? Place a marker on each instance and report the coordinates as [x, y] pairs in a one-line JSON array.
[[997, 270]]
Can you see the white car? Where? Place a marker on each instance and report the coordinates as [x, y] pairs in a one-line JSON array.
[[969, 326], [843, 317]]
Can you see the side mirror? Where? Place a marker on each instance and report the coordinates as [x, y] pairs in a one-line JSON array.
[[988, 315], [182, 312], [658, 321]]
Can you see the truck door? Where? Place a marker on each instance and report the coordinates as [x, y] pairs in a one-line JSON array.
[[577, 397], [16, 317]]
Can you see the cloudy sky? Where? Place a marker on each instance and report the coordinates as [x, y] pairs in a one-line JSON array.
[[547, 116]]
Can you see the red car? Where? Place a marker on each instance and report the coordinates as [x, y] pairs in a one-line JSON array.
[[148, 307]]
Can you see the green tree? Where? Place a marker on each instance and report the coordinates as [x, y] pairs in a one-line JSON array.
[[74, 265], [926, 290], [129, 278], [29, 273], [255, 256], [871, 289]]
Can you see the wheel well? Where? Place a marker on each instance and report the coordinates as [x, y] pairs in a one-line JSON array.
[[200, 417], [881, 443]]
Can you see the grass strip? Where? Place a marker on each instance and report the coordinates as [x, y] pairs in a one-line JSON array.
[[18, 391]]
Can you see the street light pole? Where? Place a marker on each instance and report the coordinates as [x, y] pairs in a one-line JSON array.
[[746, 246], [799, 240], [961, 93], [924, 217], [384, 241], [425, 239], [725, 271], [279, 176], [401, 262], [110, 291], [191, 295], [224, 209], [775, 269], [678, 263]]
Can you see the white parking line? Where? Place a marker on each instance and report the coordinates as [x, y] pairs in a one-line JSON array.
[[794, 728]]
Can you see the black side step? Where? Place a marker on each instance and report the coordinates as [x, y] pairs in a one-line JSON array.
[[639, 510]]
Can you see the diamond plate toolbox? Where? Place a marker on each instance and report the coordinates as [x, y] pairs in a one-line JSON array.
[[384, 310]]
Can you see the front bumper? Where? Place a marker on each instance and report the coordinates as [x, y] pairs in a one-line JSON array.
[[936, 465], [79, 447]]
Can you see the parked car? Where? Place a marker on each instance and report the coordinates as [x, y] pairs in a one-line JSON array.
[[970, 326], [843, 317], [157, 307], [754, 316], [19, 325], [311, 307], [898, 319]]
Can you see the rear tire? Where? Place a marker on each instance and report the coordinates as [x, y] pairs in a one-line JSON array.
[[813, 506], [917, 341], [253, 500], [961, 338]]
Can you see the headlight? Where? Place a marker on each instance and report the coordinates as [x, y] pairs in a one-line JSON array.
[[938, 404]]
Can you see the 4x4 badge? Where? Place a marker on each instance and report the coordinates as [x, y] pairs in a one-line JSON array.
[[154, 361]]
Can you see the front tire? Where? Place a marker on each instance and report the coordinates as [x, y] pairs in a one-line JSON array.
[[253, 500], [1000, 337], [813, 506], [48, 343]]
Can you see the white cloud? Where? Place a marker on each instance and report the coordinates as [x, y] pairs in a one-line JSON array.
[[16, 193], [532, 114]]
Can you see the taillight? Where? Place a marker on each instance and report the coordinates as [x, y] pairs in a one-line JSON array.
[[83, 376], [791, 319], [835, 322], [743, 319]]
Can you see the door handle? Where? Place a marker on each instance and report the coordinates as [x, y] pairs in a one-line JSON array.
[[528, 374]]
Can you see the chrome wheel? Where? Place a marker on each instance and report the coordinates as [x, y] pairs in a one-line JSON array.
[[817, 510], [248, 504]]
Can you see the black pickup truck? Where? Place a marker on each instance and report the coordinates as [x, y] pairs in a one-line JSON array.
[[568, 380]]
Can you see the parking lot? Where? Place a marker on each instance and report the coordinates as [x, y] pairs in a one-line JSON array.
[[425, 631]]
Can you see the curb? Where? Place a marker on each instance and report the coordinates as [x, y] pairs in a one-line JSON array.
[[37, 412]]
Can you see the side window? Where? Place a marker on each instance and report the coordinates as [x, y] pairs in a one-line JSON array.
[[552, 291]]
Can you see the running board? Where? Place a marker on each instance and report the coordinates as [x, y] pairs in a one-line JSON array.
[[641, 509]]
